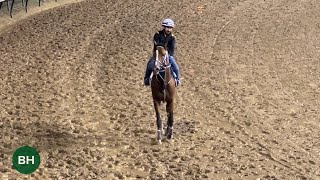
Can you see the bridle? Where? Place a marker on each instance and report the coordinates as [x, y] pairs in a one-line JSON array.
[[162, 64]]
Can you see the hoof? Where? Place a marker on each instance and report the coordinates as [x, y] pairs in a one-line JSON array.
[[170, 136]]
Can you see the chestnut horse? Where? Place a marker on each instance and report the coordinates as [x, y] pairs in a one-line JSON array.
[[163, 89]]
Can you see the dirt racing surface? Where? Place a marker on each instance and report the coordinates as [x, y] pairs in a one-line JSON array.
[[248, 108]]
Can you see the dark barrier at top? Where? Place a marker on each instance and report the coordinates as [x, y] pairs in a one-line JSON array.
[[10, 4]]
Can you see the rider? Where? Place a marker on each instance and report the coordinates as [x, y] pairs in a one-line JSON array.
[[164, 36]]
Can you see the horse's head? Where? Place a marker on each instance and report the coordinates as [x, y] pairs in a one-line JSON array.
[[162, 50], [162, 59]]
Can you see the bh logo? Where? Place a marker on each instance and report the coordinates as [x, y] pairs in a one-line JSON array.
[[26, 160]]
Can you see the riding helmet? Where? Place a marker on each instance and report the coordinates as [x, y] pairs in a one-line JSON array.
[[168, 23]]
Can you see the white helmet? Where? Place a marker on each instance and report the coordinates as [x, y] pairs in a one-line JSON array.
[[168, 23]]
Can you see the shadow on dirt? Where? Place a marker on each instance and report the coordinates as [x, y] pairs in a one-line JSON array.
[[41, 135]]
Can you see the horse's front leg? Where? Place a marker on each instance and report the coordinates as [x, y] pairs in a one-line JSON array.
[[169, 130], [159, 121]]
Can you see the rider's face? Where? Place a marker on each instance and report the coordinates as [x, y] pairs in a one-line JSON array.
[[167, 30]]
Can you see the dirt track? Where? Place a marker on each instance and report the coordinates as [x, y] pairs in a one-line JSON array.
[[71, 86]]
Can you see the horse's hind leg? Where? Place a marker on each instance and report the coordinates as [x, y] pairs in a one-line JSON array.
[[159, 121], [169, 130]]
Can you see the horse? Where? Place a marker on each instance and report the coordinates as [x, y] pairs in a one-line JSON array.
[[163, 89]]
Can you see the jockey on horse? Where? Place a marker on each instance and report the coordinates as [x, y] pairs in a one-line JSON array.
[[164, 36]]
